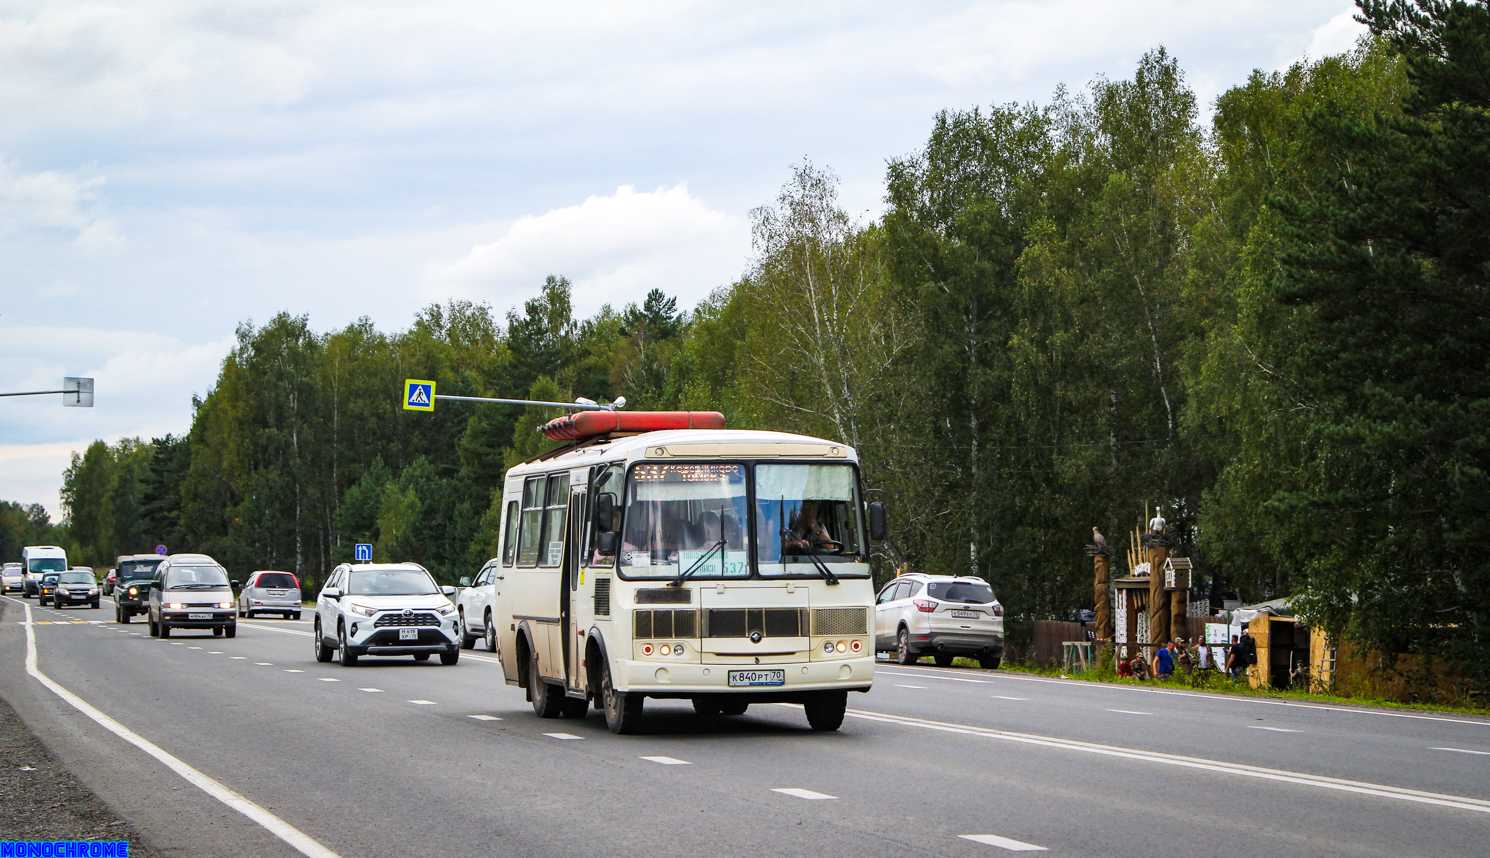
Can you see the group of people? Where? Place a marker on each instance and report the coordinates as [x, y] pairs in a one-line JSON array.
[[1185, 656]]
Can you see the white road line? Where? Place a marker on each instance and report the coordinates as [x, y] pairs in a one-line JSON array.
[[1218, 698], [422, 702], [328, 679], [193, 647], [1003, 842], [796, 792], [263, 664], [173, 643], [1128, 712], [878, 672], [372, 690], [1272, 729], [922, 687], [1463, 751], [214, 652], [1002, 697], [562, 736], [238, 657], [276, 826], [667, 761], [293, 670], [477, 717], [1358, 787]]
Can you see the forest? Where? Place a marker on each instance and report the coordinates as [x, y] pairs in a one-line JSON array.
[[1273, 323]]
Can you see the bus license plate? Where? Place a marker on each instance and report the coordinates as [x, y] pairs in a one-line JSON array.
[[746, 678], [408, 634], [967, 615], [199, 616]]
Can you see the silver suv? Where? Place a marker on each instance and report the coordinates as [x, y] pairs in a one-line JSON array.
[[269, 592], [939, 615]]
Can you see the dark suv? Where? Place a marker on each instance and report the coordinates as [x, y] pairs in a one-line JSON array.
[[132, 576]]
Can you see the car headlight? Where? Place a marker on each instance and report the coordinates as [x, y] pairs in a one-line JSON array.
[[361, 610], [133, 591], [175, 606], [225, 604], [93, 591], [445, 609]]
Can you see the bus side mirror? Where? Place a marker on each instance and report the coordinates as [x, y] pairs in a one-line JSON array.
[[605, 513], [606, 544], [877, 526]]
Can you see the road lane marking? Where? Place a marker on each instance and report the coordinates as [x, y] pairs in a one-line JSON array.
[[1200, 763], [173, 643], [238, 657], [808, 794], [1128, 712], [328, 679], [422, 702], [193, 647], [1002, 697], [934, 676], [477, 717], [214, 652], [922, 687], [263, 664], [667, 761], [372, 690], [276, 826], [293, 670], [1219, 698], [1272, 729], [1003, 842], [1463, 751], [562, 736]]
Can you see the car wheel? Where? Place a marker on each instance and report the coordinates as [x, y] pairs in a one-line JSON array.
[[547, 699], [467, 640], [165, 628], [733, 705], [943, 660], [231, 631], [95, 606], [348, 658], [154, 626], [825, 709], [423, 656], [491, 634], [450, 656], [217, 632], [323, 653], [623, 711], [295, 616], [989, 662], [706, 706], [903, 652]]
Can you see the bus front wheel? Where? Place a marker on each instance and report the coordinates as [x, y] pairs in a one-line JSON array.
[[623, 711], [825, 710]]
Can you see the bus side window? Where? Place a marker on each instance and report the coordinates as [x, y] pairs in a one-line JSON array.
[[530, 533], [509, 536], [553, 520], [607, 482]]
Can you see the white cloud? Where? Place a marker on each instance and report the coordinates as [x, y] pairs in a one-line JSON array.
[[143, 388], [613, 248], [50, 200], [1335, 36]]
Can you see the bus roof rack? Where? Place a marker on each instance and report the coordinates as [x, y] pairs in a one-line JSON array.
[[593, 424]]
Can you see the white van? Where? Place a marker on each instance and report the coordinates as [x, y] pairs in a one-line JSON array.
[[39, 560]]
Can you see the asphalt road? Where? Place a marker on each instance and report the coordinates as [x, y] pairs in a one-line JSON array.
[[394, 755]]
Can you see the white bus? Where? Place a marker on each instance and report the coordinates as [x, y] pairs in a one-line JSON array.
[[719, 566], [39, 560]]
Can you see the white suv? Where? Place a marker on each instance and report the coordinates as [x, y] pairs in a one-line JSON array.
[[385, 609], [941, 616], [475, 607]]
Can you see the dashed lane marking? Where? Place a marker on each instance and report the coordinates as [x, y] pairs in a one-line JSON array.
[[1463, 751], [372, 690], [293, 670], [328, 679], [263, 664], [296, 838], [1129, 712], [422, 702], [921, 687], [796, 792], [1002, 697], [193, 647], [484, 717], [238, 657], [667, 761], [173, 643], [214, 652], [562, 736], [1002, 842], [1272, 729]]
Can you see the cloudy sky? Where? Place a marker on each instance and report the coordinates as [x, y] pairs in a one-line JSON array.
[[169, 169]]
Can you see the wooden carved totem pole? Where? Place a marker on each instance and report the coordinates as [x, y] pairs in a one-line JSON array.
[[1101, 556], [1158, 548]]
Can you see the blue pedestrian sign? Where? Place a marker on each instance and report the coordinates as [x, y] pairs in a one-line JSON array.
[[362, 552], [161, 550], [419, 395]]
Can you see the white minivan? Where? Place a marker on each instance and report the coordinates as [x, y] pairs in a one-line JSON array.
[[39, 560]]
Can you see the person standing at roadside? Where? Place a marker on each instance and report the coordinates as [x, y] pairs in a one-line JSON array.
[[1164, 662], [1184, 655], [1233, 659]]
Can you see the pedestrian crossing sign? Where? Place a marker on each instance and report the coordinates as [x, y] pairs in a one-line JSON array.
[[419, 395]]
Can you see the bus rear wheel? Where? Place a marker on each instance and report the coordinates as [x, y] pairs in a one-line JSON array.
[[623, 711], [825, 710]]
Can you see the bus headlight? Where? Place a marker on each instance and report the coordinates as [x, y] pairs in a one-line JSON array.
[[665, 650], [827, 646], [841, 647]]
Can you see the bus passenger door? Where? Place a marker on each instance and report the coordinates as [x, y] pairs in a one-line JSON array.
[[574, 619]]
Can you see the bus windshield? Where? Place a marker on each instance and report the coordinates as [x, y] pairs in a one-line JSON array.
[[685, 519], [807, 516], [47, 564]]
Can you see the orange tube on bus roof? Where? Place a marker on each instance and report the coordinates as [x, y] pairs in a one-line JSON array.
[[591, 424]]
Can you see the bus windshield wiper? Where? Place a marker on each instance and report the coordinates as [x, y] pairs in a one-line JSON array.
[[698, 564]]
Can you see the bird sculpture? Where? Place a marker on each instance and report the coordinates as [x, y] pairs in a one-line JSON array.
[[1156, 524], [1098, 539]]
